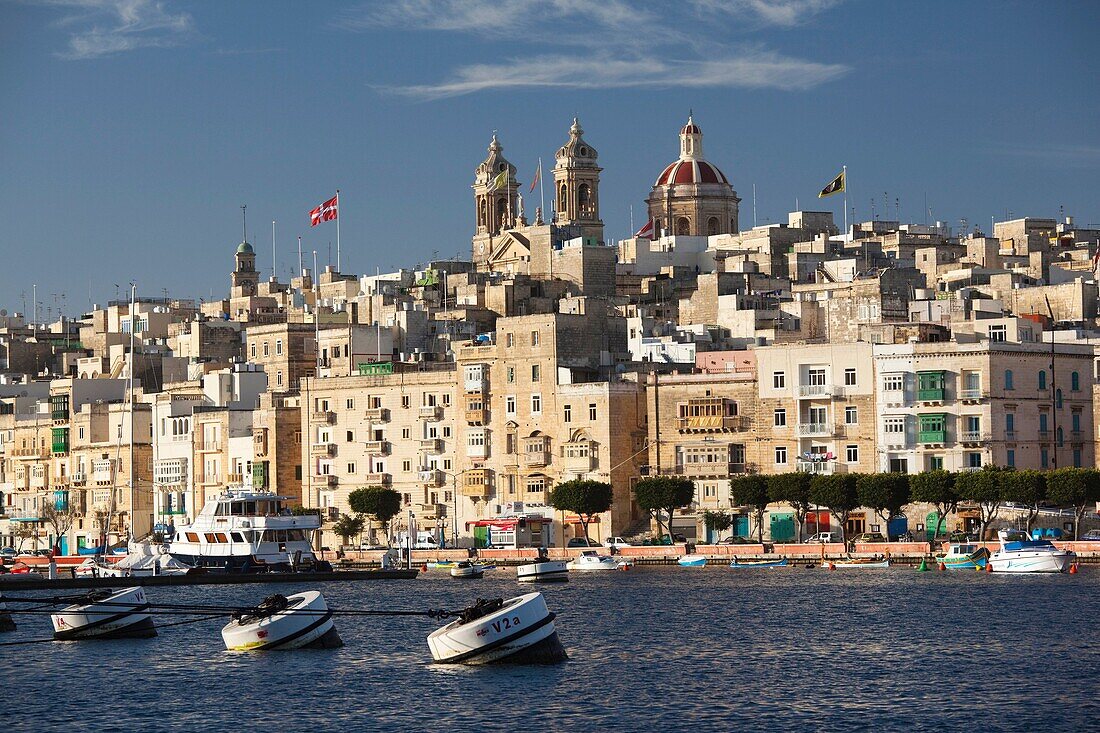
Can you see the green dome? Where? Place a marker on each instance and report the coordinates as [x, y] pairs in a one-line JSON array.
[[245, 248]]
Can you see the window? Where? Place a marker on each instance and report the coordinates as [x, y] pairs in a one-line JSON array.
[[1010, 458], [1043, 417], [536, 404], [510, 340], [849, 377], [1076, 418], [998, 332], [816, 376], [252, 349], [267, 350], [893, 382], [1061, 437], [536, 372], [446, 431], [1042, 379], [350, 404], [851, 415], [1075, 382], [447, 464], [1076, 457], [534, 338], [351, 468], [278, 347], [405, 433], [1058, 398], [510, 404], [974, 460], [279, 378], [1008, 379], [894, 425], [779, 380], [567, 414], [350, 436], [592, 411], [851, 453], [405, 401], [935, 463], [1010, 423], [406, 466], [780, 417], [1044, 459], [780, 455], [510, 375]]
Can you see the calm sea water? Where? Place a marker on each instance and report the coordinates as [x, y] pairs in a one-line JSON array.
[[651, 649]]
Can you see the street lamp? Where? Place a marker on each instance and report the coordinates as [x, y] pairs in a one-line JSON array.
[[454, 503]]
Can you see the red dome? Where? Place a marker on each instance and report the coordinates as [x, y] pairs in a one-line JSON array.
[[691, 171], [690, 129]]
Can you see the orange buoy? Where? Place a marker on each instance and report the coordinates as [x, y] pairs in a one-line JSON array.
[[941, 567], [1073, 569], [988, 566], [832, 566], [424, 568]]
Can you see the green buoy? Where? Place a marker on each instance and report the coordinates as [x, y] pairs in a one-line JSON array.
[[923, 567]]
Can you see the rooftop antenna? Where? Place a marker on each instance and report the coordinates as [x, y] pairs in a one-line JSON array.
[[244, 221]]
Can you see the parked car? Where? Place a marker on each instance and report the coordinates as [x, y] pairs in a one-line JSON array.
[[1093, 535], [869, 537], [737, 540], [7, 552], [823, 538], [582, 542], [616, 542]]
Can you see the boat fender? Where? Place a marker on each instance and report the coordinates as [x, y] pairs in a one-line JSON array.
[[988, 566]]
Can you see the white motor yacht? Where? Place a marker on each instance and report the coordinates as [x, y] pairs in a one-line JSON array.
[[591, 560], [246, 531], [1019, 554]]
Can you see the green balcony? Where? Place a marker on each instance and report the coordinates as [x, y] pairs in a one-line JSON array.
[[931, 395], [61, 447], [931, 386], [932, 436], [59, 414]]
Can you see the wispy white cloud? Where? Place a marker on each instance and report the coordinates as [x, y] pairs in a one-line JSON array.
[[1061, 155], [106, 27], [767, 12], [751, 70], [632, 45]]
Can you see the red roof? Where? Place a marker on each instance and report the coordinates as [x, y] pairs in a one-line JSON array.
[[691, 171], [690, 129]]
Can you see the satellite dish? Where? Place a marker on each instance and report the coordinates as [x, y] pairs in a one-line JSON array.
[[3, 312]]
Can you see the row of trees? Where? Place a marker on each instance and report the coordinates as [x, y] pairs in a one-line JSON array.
[[661, 496], [888, 493]]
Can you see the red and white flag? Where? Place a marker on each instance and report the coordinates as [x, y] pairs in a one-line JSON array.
[[325, 212], [538, 175], [645, 232]]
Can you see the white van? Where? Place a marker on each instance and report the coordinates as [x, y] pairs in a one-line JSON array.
[[823, 538], [423, 541]]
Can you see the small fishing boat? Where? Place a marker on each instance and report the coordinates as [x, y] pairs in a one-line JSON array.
[[780, 563], [590, 561], [545, 571], [692, 561], [518, 630], [106, 614], [467, 569], [963, 556], [299, 621], [440, 564], [1018, 554], [857, 563]]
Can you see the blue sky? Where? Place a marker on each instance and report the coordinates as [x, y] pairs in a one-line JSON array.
[[131, 131]]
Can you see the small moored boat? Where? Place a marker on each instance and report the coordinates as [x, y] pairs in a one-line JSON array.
[[780, 563], [858, 563], [519, 630], [590, 560], [106, 614], [963, 556], [297, 621], [544, 571], [1018, 554], [692, 561], [467, 569]]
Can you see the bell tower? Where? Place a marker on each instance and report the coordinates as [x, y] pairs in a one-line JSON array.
[[245, 277], [495, 188], [577, 185]]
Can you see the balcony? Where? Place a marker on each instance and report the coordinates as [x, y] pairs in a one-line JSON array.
[[477, 417], [711, 423], [377, 479], [29, 452], [709, 469], [974, 436], [821, 467], [60, 447], [817, 390], [323, 449], [211, 446], [476, 484], [431, 412], [322, 417], [430, 477], [431, 511], [934, 437], [476, 384], [815, 429], [377, 447], [59, 415], [936, 394], [172, 511], [79, 479], [377, 414], [972, 394], [234, 478], [431, 445], [536, 457]]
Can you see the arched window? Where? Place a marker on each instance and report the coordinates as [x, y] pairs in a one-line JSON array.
[[712, 225], [584, 194], [1058, 398], [1074, 382], [682, 225], [1061, 438], [1008, 379], [1042, 379], [481, 215], [563, 197]]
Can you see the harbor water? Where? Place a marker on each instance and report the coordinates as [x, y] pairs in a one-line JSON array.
[[655, 648]]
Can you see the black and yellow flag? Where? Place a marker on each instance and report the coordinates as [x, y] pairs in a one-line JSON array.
[[835, 186]]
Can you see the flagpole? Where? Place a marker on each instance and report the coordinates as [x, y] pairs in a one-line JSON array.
[[300, 265], [338, 230], [274, 274], [844, 170]]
